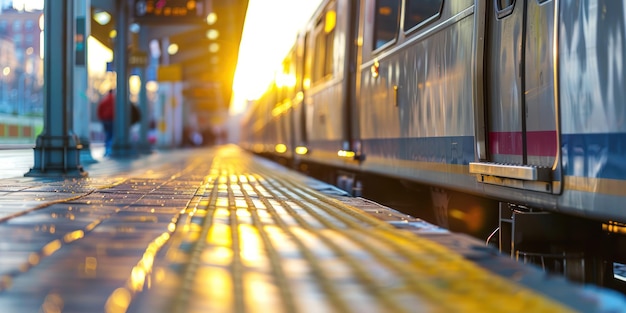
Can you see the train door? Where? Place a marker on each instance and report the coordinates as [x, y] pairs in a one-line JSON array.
[[300, 135], [329, 84], [519, 89]]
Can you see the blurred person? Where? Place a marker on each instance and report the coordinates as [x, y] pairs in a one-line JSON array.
[[152, 132], [106, 112]]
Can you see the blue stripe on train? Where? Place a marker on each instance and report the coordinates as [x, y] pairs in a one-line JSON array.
[[594, 155]]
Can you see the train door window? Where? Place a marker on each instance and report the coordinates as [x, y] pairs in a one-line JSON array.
[[503, 4], [307, 63], [319, 55], [305, 68], [418, 12], [386, 22], [299, 64], [323, 52], [329, 30], [505, 7]]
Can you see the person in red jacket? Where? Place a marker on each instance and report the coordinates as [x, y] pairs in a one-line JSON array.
[[106, 112]]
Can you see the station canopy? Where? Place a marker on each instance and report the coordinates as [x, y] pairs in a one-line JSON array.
[[207, 34]]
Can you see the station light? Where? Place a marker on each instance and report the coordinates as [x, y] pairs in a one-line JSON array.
[[614, 227], [212, 34], [152, 86], [134, 84], [211, 18], [172, 49], [191, 5], [102, 17], [346, 154], [134, 28], [214, 47], [280, 148], [301, 150]]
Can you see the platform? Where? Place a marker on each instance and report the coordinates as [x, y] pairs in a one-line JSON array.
[[220, 230]]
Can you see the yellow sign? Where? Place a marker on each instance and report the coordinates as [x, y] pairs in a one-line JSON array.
[[170, 73]]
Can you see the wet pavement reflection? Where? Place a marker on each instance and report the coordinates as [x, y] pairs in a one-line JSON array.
[[68, 245]]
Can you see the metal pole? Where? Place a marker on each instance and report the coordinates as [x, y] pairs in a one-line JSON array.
[[57, 148], [146, 116], [82, 15], [121, 122]]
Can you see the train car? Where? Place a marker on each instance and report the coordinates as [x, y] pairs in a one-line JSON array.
[[519, 103], [269, 123], [260, 135], [329, 83]]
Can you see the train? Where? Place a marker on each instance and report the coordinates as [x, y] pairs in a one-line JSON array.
[[517, 103]]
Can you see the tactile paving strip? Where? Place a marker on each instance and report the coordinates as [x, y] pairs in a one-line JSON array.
[[253, 240]]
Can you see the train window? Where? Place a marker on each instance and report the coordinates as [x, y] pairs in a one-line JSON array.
[[504, 4], [318, 57], [307, 63], [504, 7], [324, 36], [418, 11], [329, 31], [386, 22]]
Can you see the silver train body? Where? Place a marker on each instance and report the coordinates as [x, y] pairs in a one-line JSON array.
[[519, 101]]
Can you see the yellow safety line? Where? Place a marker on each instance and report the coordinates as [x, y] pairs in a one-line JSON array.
[[273, 256], [236, 265], [360, 272], [417, 286], [405, 243], [325, 283]]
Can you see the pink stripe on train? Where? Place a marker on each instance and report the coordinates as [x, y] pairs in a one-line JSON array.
[[539, 143]]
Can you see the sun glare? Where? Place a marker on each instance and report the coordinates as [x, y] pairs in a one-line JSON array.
[[28, 5], [269, 31], [98, 56]]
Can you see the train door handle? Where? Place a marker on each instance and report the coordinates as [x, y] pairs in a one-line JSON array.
[[395, 94]]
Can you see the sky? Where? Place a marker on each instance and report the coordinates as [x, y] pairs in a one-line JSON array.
[[269, 32], [26, 4]]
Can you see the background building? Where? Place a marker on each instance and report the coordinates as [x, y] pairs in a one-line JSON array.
[[21, 73]]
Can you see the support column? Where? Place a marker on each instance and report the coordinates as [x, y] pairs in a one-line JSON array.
[[121, 122], [57, 149], [82, 109], [146, 114]]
